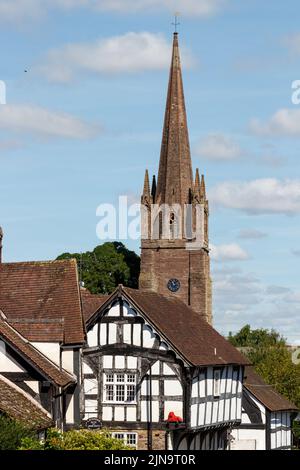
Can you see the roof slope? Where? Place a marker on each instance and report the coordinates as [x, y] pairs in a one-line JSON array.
[[21, 406], [43, 295], [265, 393], [46, 367], [191, 336], [91, 302]]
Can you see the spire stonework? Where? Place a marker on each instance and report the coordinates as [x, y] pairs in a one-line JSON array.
[[168, 265]]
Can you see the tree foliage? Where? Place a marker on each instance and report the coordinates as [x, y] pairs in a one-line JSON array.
[[268, 352], [107, 266], [12, 432], [82, 439]]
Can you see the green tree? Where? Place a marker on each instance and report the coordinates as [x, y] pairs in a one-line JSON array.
[[82, 439], [107, 266], [12, 432], [268, 352]]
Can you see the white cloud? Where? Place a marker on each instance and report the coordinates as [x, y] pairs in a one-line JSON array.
[[284, 123], [131, 52], [23, 10], [231, 252], [218, 147], [41, 121], [251, 234], [261, 196]]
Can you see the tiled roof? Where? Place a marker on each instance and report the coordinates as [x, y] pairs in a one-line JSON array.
[[91, 302], [21, 406], [190, 335], [34, 357], [265, 393], [42, 301]]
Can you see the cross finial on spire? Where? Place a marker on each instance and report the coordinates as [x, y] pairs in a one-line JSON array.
[[176, 22]]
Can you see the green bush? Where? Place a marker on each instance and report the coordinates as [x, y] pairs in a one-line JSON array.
[[74, 440], [12, 433]]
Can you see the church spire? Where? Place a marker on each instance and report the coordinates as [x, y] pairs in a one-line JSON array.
[[175, 179]]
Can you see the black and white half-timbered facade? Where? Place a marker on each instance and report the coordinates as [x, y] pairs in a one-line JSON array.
[[137, 370]]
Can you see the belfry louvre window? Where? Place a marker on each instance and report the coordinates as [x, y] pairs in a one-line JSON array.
[[119, 388]]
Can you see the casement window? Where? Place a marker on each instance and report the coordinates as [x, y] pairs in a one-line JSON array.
[[129, 438], [217, 382], [119, 388]]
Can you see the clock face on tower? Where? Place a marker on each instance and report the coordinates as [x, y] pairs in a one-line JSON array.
[[173, 285]]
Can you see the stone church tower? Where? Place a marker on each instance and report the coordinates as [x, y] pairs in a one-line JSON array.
[[175, 256]]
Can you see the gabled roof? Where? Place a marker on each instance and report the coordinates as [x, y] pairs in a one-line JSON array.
[[265, 393], [21, 406], [193, 338], [42, 300], [34, 357]]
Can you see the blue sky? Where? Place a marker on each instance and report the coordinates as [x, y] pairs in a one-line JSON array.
[[82, 124]]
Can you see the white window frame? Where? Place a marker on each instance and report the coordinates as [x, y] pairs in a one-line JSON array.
[[217, 383], [125, 438], [128, 383]]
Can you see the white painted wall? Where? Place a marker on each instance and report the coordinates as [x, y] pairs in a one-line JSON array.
[[50, 350], [7, 363], [248, 439], [67, 360]]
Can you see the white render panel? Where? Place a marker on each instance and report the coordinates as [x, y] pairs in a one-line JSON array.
[[112, 333], [67, 360], [168, 370], [120, 362], [90, 406], [208, 412], [209, 381], [229, 380], [195, 387], [194, 416], [103, 334], [227, 409], [175, 406], [127, 311], [137, 335], [202, 385], [155, 368], [172, 387], [201, 414], [131, 413], [215, 411], [86, 368], [91, 386], [119, 413], [33, 384], [107, 413], [50, 350], [7, 364], [114, 311], [148, 337], [92, 336], [107, 362], [127, 333], [70, 410], [131, 362], [145, 411]]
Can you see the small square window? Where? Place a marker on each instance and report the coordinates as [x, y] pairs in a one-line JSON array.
[[131, 378], [109, 377], [120, 377]]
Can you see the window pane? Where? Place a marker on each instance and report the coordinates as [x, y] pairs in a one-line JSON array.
[[131, 378], [130, 392], [131, 439], [120, 392], [109, 377], [120, 377], [109, 392]]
